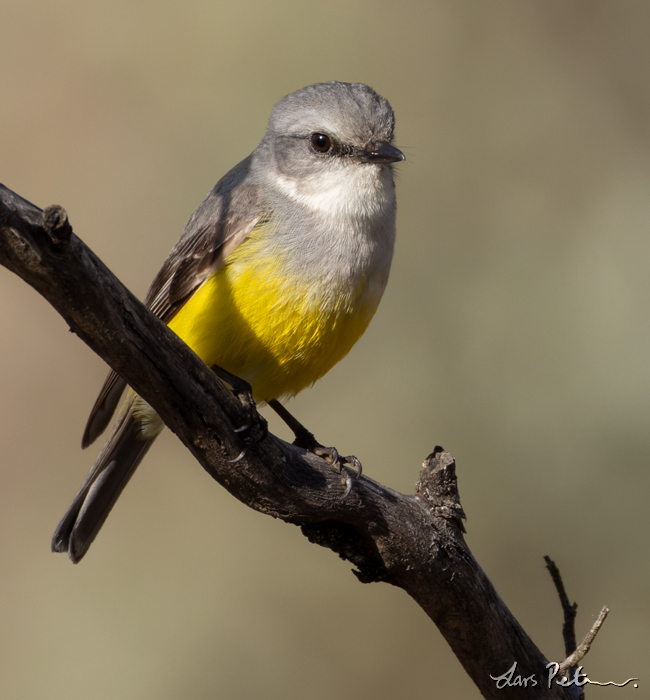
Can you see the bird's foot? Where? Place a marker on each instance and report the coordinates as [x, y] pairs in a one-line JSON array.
[[255, 428], [350, 463], [349, 467]]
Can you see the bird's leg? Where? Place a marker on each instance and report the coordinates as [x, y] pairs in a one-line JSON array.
[[306, 440], [243, 391]]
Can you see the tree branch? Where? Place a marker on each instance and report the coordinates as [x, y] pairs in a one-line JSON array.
[[413, 542], [575, 653], [581, 650]]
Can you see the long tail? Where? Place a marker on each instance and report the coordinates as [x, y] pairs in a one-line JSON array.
[[111, 472]]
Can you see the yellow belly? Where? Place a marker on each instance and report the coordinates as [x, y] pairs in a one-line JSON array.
[[278, 332]]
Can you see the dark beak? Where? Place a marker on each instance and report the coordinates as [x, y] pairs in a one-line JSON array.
[[382, 152]]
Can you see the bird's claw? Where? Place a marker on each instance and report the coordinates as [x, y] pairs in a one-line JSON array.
[[256, 428], [351, 464], [306, 440], [239, 457]]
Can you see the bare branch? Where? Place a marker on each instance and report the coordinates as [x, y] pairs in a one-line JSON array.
[[576, 657], [575, 654], [414, 542]]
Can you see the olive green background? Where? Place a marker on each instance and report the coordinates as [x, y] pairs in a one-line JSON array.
[[514, 332]]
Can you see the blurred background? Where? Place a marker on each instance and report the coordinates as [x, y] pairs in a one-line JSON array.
[[514, 332]]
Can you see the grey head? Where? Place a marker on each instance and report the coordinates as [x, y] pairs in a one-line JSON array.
[[328, 128]]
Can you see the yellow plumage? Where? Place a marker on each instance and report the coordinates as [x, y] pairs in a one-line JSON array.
[[278, 331]]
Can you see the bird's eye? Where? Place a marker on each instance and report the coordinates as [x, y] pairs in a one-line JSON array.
[[321, 142]]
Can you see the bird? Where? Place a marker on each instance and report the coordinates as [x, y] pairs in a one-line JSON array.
[[274, 278]]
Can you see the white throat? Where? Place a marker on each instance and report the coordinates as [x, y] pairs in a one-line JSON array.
[[356, 190]]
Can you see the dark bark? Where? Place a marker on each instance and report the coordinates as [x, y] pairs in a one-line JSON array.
[[413, 542]]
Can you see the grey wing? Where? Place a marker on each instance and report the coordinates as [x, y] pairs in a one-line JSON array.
[[227, 215]]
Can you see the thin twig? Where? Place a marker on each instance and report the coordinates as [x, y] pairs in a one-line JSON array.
[[569, 610], [576, 657]]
